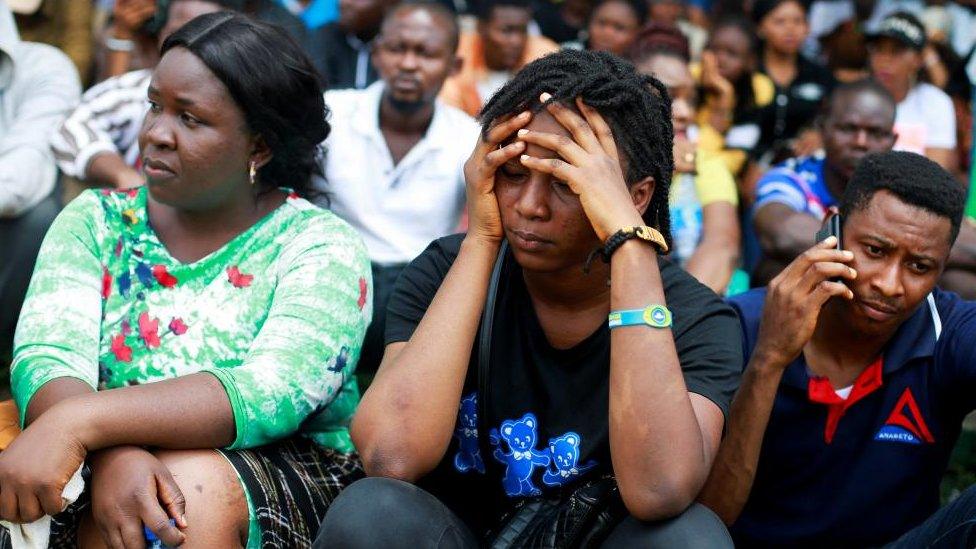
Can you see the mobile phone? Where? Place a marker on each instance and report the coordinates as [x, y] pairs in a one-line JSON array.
[[831, 227]]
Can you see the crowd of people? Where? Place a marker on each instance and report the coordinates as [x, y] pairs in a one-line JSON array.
[[455, 273]]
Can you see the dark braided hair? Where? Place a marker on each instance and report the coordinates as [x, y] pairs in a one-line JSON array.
[[636, 107]]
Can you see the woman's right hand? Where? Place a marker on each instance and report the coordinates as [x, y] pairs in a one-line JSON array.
[[484, 220], [130, 488]]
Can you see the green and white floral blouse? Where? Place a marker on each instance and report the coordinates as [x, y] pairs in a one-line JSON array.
[[277, 314]]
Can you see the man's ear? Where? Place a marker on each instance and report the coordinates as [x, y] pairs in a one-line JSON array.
[[261, 153], [641, 193]]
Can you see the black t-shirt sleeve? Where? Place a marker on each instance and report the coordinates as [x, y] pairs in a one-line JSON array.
[[416, 286], [707, 337]]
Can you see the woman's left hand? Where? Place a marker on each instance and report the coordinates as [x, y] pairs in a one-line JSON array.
[[36, 466], [589, 164]]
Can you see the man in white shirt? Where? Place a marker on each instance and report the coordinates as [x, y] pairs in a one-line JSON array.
[[394, 159], [38, 87]]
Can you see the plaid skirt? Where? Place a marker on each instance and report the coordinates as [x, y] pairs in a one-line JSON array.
[[289, 485]]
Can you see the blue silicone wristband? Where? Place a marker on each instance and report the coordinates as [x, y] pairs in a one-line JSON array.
[[655, 316]]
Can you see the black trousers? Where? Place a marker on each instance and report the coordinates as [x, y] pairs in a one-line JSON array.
[[20, 240], [382, 512]]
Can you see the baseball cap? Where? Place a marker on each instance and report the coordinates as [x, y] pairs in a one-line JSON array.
[[903, 27]]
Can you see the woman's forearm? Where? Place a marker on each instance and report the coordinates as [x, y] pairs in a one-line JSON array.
[[656, 442], [406, 418], [53, 392], [192, 411]]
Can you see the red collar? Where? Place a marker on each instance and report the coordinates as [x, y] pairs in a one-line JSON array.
[[820, 391]]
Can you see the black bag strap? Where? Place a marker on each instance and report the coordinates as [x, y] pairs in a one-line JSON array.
[[484, 348]]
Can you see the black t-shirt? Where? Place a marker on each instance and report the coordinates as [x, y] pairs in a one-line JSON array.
[[547, 421], [795, 106]]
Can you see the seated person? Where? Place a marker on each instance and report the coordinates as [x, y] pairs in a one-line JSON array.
[[98, 142], [925, 120], [396, 152], [341, 49], [39, 87], [494, 53], [793, 198], [801, 84], [860, 372], [561, 402], [613, 25], [222, 310], [703, 197], [734, 93]]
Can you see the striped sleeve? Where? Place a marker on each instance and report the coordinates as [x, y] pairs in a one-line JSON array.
[[779, 186], [107, 120]]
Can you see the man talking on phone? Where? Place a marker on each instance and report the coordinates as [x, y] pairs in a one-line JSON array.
[[793, 197], [860, 371]]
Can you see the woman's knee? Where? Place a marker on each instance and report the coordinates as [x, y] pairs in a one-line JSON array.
[[216, 507], [697, 527], [383, 512]]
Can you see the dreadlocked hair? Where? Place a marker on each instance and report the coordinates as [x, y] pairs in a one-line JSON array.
[[636, 107]]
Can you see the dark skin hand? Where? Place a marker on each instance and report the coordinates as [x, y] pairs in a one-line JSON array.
[[31, 481], [131, 487]]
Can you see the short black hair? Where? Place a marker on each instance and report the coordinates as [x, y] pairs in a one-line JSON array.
[[435, 8], [274, 84], [486, 8], [638, 7], [850, 89], [656, 39], [636, 107], [911, 177]]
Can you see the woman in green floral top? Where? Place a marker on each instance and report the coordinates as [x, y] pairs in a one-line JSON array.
[[222, 311]]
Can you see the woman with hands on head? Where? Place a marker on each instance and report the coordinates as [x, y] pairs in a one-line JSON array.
[[212, 309], [576, 153]]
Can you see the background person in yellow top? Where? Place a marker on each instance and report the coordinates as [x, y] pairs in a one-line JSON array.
[[734, 94], [703, 199], [492, 54]]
